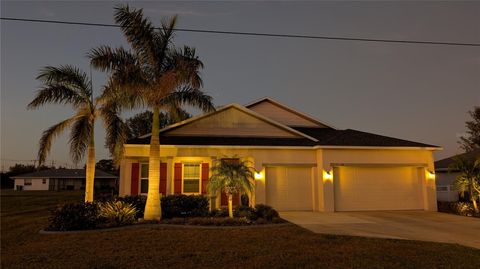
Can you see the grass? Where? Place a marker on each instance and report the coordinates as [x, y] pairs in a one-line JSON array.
[[23, 214]]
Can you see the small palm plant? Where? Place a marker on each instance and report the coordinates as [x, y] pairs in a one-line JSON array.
[[231, 176], [118, 212], [69, 85], [468, 181]]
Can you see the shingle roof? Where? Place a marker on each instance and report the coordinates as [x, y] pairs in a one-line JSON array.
[[445, 163], [325, 136], [349, 137], [65, 173], [225, 141]]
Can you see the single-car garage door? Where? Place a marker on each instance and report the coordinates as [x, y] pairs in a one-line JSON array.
[[377, 188], [289, 188]]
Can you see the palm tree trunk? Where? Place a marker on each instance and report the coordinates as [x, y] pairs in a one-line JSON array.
[[472, 196], [230, 205], [153, 210], [475, 206], [90, 169]]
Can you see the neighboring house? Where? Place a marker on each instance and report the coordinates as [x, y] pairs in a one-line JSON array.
[[62, 179], [445, 176], [301, 163]]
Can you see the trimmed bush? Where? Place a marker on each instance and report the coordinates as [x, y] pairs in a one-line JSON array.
[[219, 213], [138, 201], [266, 212], [75, 216], [184, 206], [118, 213], [246, 212]]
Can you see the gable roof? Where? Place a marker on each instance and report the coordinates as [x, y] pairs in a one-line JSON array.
[[307, 118], [171, 128], [443, 164], [302, 136], [65, 173]]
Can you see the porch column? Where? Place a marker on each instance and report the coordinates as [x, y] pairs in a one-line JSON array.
[[326, 196], [169, 162], [125, 177]]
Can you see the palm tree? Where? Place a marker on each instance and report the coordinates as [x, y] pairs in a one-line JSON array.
[[69, 85], [232, 176], [468, 181], [154, 74]]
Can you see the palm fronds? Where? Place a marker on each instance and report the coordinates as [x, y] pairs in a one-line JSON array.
[[231, 177], [188, 96], [49, 135], [62, 85], [81, 135]]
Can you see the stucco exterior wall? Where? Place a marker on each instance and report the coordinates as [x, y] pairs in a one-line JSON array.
[[381, 158], [37, 184], [321, 160]]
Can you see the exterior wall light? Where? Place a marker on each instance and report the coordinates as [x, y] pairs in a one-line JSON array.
[[327, 175], [258, 175], [431, 175]]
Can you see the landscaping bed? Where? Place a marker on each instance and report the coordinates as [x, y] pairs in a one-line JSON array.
[[176, 210], [458, 208]]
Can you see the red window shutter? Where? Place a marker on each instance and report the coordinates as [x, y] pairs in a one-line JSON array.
[[177, 178], [163, 178], [134, 178], [223, 199], [236, 199], [204, 177]]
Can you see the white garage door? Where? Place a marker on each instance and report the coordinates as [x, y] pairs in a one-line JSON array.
[[289, 188], [376, 188]]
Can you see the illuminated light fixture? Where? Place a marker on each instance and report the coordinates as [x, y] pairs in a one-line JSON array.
[[258, 175], [327, 175], [431, 175]]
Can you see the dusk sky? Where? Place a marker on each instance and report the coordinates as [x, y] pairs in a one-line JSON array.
[[410, 91]]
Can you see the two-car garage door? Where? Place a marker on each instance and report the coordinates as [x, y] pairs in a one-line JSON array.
[[355, 188], [377, 188]]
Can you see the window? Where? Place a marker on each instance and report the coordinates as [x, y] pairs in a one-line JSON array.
[[44, 181], [191, 178], [144, 178], [27, 182]]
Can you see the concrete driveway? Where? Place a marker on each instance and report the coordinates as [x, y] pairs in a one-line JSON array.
[[413, 225]]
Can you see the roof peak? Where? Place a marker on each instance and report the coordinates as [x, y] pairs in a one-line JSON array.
[[303, 115]]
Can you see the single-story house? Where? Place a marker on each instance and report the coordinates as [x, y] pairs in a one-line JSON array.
[[446, 176], [62, 179], [301, 163]]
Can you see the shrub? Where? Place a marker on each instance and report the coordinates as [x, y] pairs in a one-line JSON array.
[[266, 212], [219, 213], [138, 201], [184, 205], [118, 213], [75, 216], [458, 208], [246, 212]]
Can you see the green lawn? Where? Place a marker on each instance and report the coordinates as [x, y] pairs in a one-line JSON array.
[[23, 214]]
